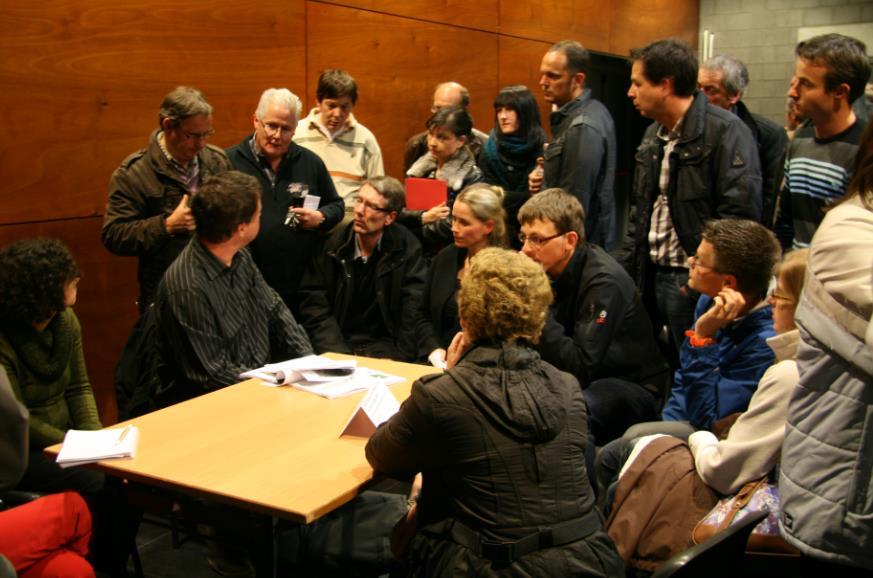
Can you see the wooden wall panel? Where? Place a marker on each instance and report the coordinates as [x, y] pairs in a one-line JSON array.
[[397, 62], [587, 21], [82, 83], [481, 15], [520, 64], [107, 294], [637, 22]]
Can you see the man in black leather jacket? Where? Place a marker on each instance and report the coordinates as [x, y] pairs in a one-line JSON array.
[[696, 162]]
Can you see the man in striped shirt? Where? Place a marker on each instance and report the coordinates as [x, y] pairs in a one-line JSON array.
[[830, 72], [216, 316]]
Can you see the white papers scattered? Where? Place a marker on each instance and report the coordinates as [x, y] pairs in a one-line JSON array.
[[83, 447], [376, 408], [363, 379], [303, 368]]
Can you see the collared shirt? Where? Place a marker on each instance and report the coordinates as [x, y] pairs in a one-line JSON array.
[[264, 164], [189, 175], [664, 246], [225, 320], [359, 255]]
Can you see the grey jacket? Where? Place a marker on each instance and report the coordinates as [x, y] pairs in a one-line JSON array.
[[826, 482]]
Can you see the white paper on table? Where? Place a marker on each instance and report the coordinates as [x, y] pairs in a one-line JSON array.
[[311, 202], [292, 370], [363, 379], [376, 408], [82, 447]]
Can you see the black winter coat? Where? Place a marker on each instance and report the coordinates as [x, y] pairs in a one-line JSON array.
[[500, 440]]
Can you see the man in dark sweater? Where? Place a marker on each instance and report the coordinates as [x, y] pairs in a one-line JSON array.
[[362, 290], [597, 328], [830, 73], [286, 172]]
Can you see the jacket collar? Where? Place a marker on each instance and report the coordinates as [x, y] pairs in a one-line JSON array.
[[694, 120], [784, 345], [556, 117]]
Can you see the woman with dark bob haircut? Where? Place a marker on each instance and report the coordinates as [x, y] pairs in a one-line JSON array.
[[448, 159], [512, 150], [499, 440], [41, 351]]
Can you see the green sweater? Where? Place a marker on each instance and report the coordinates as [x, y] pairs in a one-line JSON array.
[[47, 373]]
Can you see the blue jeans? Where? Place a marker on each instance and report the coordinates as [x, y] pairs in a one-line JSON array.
[[675, 303]]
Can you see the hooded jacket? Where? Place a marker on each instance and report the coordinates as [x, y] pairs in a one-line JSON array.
[[500, 440]]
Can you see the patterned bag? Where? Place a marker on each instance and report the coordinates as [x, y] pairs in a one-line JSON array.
[[755, 496]]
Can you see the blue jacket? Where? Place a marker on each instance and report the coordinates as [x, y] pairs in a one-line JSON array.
[[718, 380]]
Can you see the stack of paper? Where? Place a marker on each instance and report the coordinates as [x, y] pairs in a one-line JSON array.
[[309, 368], [83, 447], [363, 379]]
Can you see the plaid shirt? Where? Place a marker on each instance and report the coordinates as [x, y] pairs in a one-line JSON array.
[[190, 175], [664, 246]]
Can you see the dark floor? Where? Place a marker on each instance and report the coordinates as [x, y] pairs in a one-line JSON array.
[[160, 560]]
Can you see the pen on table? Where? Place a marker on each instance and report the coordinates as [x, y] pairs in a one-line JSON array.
[[124, 433]]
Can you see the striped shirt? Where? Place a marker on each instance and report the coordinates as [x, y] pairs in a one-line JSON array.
[[817, 174], [223, 320], [664, 246], [351, 156]]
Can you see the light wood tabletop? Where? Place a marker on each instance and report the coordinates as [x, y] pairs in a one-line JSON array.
[[272, 450]]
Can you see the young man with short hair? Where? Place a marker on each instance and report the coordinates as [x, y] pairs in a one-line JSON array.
[[331, 131], [830, 73], [216, 316]]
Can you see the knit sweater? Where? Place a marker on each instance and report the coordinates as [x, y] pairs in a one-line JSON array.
[[753, 445], [351, 156], [48, 375]]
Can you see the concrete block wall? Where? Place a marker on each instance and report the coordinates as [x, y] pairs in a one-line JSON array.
[[763, 34]]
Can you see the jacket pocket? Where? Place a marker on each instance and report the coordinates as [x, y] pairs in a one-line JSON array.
[[692, 173], [552, 163]]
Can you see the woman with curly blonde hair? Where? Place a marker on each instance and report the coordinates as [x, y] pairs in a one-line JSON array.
[[499, 440]]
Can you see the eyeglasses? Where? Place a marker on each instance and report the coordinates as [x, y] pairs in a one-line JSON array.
[[197, 135], [535, 241], [693, 262], [369, 206], [274, 128], [773, 294]]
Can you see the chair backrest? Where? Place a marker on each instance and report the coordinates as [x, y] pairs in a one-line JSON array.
[[720, 555]]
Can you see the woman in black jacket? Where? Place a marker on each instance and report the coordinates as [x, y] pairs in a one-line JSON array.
[[512, 149], [499, 440], [477, 223]]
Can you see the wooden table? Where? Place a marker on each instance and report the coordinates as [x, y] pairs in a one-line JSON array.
[[271, 450]]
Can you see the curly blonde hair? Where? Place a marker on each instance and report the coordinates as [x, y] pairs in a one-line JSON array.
[[504, 295]]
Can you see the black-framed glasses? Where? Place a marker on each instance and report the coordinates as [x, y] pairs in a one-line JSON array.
[[197, 135], [774, 294], [536, 241], [368, 205]]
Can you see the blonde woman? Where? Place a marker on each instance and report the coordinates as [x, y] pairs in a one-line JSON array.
[[499, 440]]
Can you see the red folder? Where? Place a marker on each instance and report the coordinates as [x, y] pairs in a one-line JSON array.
[[425, 193]]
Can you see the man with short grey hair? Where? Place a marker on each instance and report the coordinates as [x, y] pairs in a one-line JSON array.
[[724, 80], [285, 171], [147, 213]]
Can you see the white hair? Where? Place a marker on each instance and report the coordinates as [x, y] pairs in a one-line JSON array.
[[280, 96]]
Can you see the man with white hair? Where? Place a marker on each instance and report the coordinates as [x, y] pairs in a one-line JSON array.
[[724, 80], [285, 171]]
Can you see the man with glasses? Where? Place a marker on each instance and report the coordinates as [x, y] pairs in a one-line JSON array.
[[726, 352], [147, 213], [597, 328], [287, 173], [361, 292]]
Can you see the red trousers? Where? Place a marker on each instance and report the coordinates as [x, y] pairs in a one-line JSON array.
[[48, 537]]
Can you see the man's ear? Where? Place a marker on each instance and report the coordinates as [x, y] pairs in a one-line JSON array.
[[573, 239], [390, 217], [842, 90], [166, 124], [579, 78], [730, 282]]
